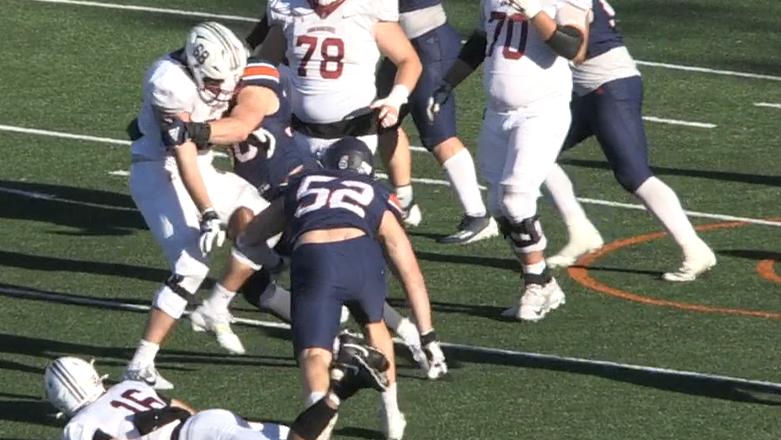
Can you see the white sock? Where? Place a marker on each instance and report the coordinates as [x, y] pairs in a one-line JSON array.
[[661, 200], [562, 192], [404, 193], [276, 299], [460, 170], [390, 400], [145, 354], [220, 297], [536, 268]]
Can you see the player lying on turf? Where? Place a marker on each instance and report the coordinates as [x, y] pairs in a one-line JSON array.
[[133, 410], [340, 222]]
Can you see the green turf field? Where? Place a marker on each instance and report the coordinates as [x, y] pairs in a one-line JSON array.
[[70, 232]]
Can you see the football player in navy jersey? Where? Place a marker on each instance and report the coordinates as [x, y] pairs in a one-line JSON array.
[[437, 44], [340, 222], [607, 103]]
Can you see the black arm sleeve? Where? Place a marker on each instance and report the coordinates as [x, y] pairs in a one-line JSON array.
[[471, 56], [566, 41], [258, 34]]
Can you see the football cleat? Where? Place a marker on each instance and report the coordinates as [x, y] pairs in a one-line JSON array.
[[411, 215], [149, 375], [583, 240], [472, 229], [204, 318], [356, 366], [536, 302], [392, 424], [693, 266]]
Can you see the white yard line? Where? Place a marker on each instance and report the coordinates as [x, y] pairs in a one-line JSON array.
[[767, 104], [29, 194], [679, 122], [255, 19], [416, 179], [155, 10], [767, 385]]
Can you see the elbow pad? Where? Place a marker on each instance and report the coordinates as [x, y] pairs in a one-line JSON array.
[[565, 41]]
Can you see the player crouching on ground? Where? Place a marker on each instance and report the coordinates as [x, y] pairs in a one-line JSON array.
[[340, 221], [133, 410]]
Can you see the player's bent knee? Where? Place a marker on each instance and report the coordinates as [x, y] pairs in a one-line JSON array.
[[524, 236], [173, 296], [518, 205], [631, 180], [240, 218]]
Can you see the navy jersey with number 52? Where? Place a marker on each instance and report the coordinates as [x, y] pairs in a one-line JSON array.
[[334, 199]]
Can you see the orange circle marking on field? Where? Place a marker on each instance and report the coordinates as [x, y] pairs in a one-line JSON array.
[[580, 274], [766, 270]]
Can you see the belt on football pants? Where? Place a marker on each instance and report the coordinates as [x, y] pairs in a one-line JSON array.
[[363, 125]]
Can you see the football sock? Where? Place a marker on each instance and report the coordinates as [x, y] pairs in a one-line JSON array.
[[145, 353], [560, 188], [535, 268], [661, 200], [389, 399], [314, 420], [404, 193], [220, 297], [276, 299], [460, 170]]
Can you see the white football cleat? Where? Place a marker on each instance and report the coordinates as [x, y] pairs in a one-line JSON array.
[[393, 424], [204, 318], [536, 302], [583, 239], [695, 264], [147, 374], [411, 216]]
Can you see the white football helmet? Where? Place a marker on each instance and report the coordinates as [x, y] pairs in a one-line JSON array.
[[216, 58], [71, 383]]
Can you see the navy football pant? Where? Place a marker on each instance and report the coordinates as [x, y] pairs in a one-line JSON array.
[[613, 113], [325, 276], [438, 50]]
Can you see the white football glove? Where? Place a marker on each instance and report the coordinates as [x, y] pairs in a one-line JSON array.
[[390, 105], [437, 366], [437, 100], [529, 8], [211, 231]]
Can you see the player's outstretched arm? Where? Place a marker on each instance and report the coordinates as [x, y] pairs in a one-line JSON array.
[[258, 33], [469, 59], [252, 243], [399, 251], [274, 46], [253, 103]]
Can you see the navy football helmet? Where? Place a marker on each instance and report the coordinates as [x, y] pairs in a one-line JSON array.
[[351, 154]]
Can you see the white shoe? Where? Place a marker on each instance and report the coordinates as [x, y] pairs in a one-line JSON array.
[[583, 239], [537, 301], [693, 266], [393, 424], [147, 374], [409, 334], [205, 318], [411, 216]]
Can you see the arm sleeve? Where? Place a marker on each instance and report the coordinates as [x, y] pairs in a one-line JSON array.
[[261, 73]]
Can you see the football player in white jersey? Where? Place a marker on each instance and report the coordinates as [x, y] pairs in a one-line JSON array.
[[133, 410], [184, 200], [526, 45], [333, 47]]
